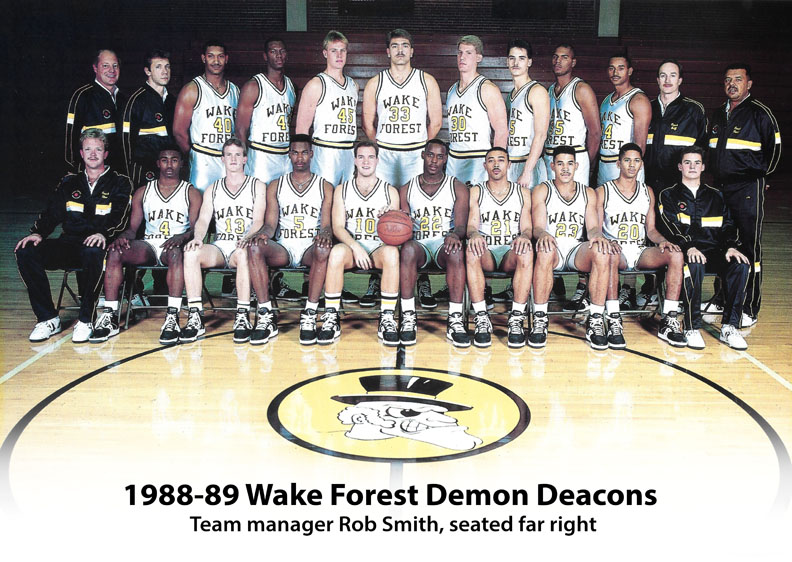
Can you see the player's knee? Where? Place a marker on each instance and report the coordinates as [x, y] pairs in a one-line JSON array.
[[677, 259], [174, 257], [455, 260], [114, 259], [92, 254], [525, 261], [321, 253], [337, 256], [409, 252], [390, 254], [256, 254]]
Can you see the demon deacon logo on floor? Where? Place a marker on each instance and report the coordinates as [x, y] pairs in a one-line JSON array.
[[391, 414]]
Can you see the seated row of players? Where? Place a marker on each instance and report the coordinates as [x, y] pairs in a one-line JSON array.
[[288, 223]]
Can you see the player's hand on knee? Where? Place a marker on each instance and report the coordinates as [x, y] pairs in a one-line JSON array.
[[452, 243], [732, 253], [666, 245], [193, 244], [602, 245], [546, 243], [521, 245], [118, 245], [694, 256], [35, 239], [95, 240], [477, 245], [324, 239], [361, 257], [173, 242], [615, 248]]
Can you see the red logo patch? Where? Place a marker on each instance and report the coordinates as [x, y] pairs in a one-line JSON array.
[[76, 194], [149, 176], [158, 117], [682, 206]]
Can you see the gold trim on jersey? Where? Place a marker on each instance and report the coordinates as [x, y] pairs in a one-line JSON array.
[[269, 149], [462, 154], [207, 151], [106, 127], [609, 157], [161, 131], [329, 144], [413, 146], [714, 222]]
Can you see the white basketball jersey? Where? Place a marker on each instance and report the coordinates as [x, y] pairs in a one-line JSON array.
[[335, 118], [521, 122], [433, 215], [300, 214], [566, 219], [213, 117], [269, 124], [617, 124], [401, 111], [166, 217], [361, 212], [233, 213], [567, 126], [468, 122], [625, 219], [499, 221]]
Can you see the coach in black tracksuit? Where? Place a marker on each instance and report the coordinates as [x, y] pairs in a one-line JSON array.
[[745, 147], [677, 122], [92, 207], [695, 217], [98, 105], [148, 120]]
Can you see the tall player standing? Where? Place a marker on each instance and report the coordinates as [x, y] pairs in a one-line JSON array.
[[402, 109], [574, 121], [265, 108], [625, 115], [204, 118], [328, 105], [476, 115]]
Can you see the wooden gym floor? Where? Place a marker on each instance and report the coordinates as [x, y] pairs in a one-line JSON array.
[[710, 431]]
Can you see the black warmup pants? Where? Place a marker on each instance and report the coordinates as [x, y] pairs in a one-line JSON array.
[[733, 276], [60, 253], [745, 201]]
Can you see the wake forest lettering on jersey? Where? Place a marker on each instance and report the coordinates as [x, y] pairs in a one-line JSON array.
[[400, 107]]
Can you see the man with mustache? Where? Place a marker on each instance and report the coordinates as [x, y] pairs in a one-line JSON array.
[[401, 110], [745, 147]]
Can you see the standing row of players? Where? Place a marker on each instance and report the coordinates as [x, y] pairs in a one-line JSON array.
[[402, 104]]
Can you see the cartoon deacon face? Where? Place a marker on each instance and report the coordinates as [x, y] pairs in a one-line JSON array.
[[405, 406]]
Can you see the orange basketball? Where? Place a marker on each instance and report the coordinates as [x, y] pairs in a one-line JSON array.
[[394, 228]]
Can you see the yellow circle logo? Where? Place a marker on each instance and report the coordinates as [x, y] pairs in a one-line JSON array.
[[392, 414]]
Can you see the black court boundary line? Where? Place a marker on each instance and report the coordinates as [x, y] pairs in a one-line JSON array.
[[785, 465], [7, 448]]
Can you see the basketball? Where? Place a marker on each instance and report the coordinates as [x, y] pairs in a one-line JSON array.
[[394, 228]]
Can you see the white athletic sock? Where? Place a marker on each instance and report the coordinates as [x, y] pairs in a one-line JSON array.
[[267, 305], [454, 307], [174, 302], [540, 307], [480, 306], [389, 301], [597, 308], [311, 305], [243, 304], [332, 300], [195, 303], [518, 306], [612, 306], [113, 305], [408, 304], [670, 306]]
